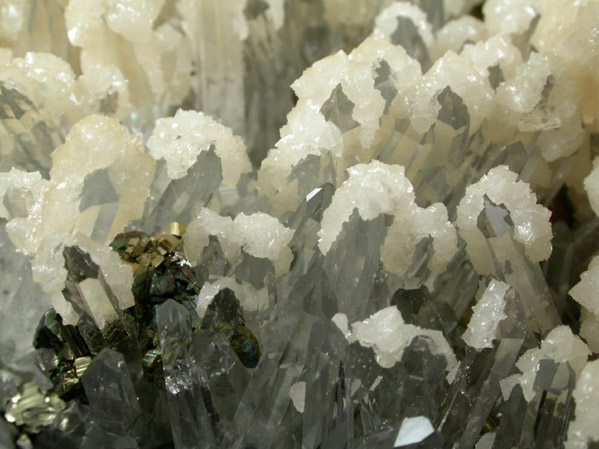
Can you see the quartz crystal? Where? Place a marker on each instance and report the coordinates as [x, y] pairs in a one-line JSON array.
[[293, 224]]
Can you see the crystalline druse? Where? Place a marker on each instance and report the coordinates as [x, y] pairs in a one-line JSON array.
[[389, 335], [376, 188], [487, 314], [286, 224], [583, 429], [180, 139], [560, 345], [531, 220]]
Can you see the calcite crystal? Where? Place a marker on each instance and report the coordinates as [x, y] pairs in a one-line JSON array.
[[285, 224]]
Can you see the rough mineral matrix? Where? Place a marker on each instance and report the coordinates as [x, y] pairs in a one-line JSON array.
[[299, 224]]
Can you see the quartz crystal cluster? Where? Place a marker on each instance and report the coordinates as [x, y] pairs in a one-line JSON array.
[[310, 224]]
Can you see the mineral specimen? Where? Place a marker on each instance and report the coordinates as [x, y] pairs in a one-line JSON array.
[[280, 224]]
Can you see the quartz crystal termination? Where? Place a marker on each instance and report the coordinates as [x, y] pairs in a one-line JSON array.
[[379, 256]]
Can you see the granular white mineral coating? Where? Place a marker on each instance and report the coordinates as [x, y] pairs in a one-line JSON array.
[[453, 35], [12, 18], [199, 230], [497, 50], [260, 235], [591, 185], [461, 76], [307, 132], [386, 22], [388, 335], [405, 71], [133, 19], [409, 229], [46, 79], [93, 144], [297, 393], [83, 19], [586, 292], [179, 140], [488, 312], [584, 429], [560, 345], [522, 92], [250, 299], [589, 330], [531, 220], [372, 189], [356, 79], [377, 188], [567, 33], [508, 16]]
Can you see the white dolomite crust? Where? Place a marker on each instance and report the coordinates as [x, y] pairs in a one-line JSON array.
[[586, 292], [497, 50], [508, 16], [128, 59], [357, 83], [589, 330], [376, 188], [206, 224], [251, 299], [12, 18], [460, 75], [259, 234], [133, 18], [180, 139], [591, 185], [93, 144], [560, 345], [388, 335], [583, 429], [488, 312], [531, 220], [386, 22], [523, 91], [456, 33], [262, 235], [308, 133], [46, 79]]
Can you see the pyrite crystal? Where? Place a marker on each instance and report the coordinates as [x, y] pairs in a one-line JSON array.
[[299, 224]]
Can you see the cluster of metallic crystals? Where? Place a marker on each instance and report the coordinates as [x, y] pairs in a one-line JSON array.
[[285, 224]]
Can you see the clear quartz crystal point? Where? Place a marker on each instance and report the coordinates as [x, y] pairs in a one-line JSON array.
[[192, 416], [476, 389], [115, 411], [98, 307], [512, 265]]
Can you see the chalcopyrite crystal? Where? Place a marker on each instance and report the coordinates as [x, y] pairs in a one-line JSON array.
[[299, 224]]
